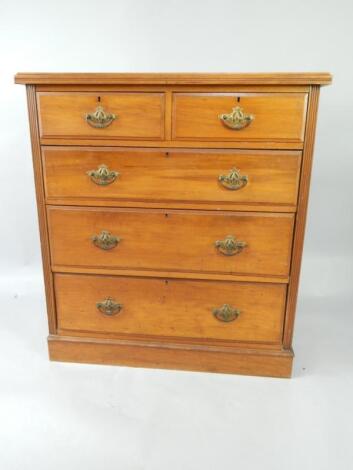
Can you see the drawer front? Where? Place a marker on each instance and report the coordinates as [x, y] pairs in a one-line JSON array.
[[173, 308], [187, 241], [264, 177], [239, 116], [92, 115]]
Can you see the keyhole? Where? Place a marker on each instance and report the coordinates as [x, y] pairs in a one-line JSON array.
[[99, 99], [238, 99]]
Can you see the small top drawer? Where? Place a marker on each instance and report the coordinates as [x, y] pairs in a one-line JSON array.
[[251, 117], [102, 115]]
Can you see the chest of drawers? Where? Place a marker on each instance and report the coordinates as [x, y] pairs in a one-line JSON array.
[[172, 211]]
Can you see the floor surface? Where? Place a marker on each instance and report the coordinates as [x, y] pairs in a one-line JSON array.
[[72, 417]]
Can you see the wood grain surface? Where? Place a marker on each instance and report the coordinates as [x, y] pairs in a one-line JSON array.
[[171, 307], [308, 78], [172, 176], [138, 115], [159, 355], [277, 116], [173, 240]]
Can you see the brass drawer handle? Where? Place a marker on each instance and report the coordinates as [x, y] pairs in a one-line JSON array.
[[103, 176], [234, 180], [230, 245], [109, 306], [226, 313], [99, 118], [105, 240], [236, 119]]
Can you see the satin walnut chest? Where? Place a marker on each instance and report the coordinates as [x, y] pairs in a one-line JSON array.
[[172, 211]]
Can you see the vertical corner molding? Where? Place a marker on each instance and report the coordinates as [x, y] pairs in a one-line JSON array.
[[40, 195], [300, 222]]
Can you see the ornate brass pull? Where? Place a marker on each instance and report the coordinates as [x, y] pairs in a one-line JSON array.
[[234, 180], [236, 119], [103, 176], [230, 246], [109, 306], [99, 118], [226, 313], [105, 240]]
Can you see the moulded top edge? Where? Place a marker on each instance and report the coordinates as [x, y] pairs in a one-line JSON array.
[[307, 78]]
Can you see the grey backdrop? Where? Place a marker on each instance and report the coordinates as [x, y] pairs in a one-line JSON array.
[[84, 416]]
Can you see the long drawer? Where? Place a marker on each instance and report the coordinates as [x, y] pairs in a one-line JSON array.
[[248, 117], [135, 115], [225, 178], [187, 241], [168, 307]]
